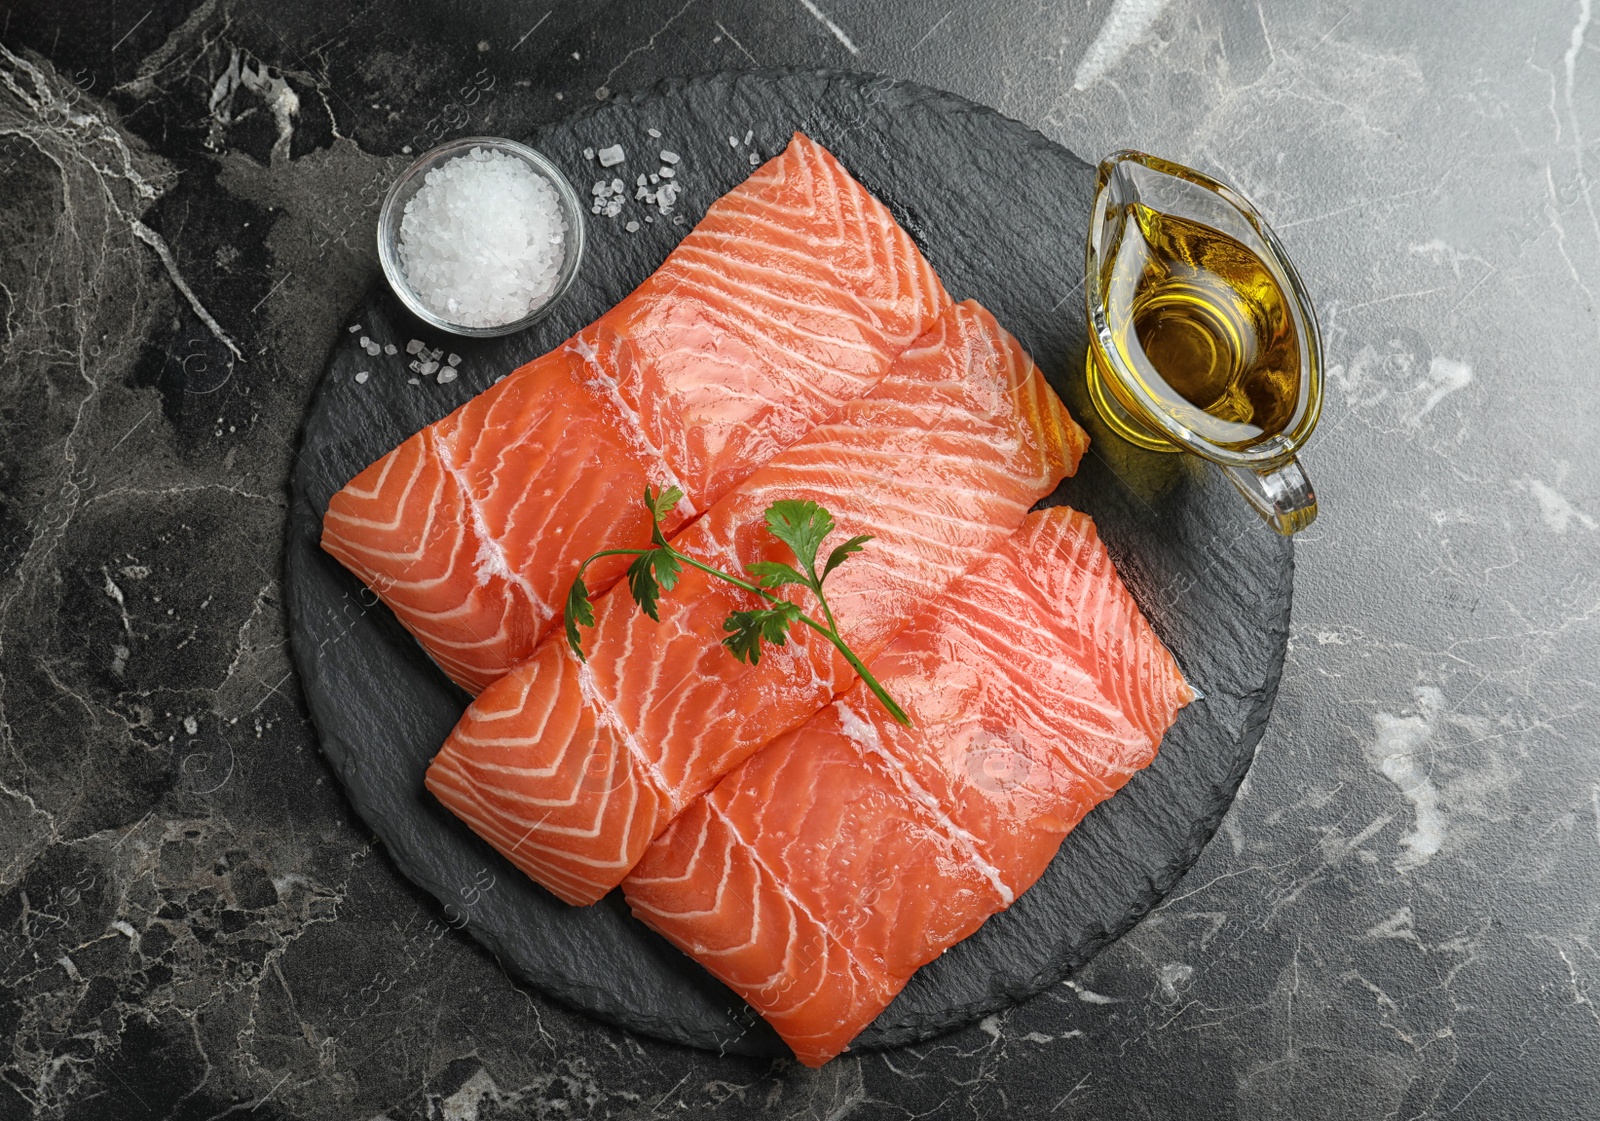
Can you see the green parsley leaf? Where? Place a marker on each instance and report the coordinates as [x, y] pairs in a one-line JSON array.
[[775, 574], [660, 505], [579, 612], [800, 524], [748, 629], [842, 554], [649, 575]]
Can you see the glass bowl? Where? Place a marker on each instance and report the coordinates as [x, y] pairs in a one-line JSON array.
[[410, 182]]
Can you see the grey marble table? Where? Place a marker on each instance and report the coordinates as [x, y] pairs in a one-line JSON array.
[[1399, 916]]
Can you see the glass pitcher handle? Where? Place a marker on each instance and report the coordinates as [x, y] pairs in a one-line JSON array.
[[1282, 496]]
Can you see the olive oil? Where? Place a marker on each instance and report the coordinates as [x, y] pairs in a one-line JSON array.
[[1206, 327]]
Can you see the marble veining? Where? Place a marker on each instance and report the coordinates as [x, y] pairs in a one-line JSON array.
[[1399, 917]]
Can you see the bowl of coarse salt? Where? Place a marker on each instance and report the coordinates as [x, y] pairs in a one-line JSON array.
[[481, 236]]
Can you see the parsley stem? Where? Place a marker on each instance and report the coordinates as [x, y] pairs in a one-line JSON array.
[[829, 632], [802, 525], [584, 567]]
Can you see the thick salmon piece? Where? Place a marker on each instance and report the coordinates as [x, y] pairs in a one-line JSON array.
[[792, 296], [570, 769], [818, 876]]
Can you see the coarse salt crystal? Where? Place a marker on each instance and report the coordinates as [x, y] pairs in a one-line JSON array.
[[482, 242], [667, 173], [655, 133], [365, 340], [733, 141], [361, 377], [610, 157], [588, 153], [454, 360], [669, 157], [413, 346], [632, 227], [354, 327], [748, 135], [446, 376], [390, 348], [754, 159]]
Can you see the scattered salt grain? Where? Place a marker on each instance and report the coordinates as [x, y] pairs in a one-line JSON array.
[[655, 178], [669, 157], [607, 198], [748, 135], [610, 157], [733, 141], [373, 350], [364, 341], [414, 366], [446, 376], [483, 241], [640, 180], [454, 360], [588, 153], [754, 159], [390, 349], [667, 173], [632, 227], [413, 346], [412, 381], [428, 367], [361, 377], [354, 327], [655, 133]]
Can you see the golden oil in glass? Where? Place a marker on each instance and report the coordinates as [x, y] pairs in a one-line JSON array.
[[1201, 335], [1202, 313]]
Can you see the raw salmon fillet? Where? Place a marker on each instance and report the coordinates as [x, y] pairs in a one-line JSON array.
[[792, 296], [818, 876], [570, 768]]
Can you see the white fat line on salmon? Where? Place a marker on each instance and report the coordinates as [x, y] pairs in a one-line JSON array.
[[491, 558], [783, 890], [705, 274], [610, 718], [865, 737], [634, 433]]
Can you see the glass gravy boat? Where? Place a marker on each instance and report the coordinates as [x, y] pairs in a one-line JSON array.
[[1201, 336]]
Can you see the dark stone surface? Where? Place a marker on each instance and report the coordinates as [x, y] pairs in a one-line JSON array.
[[1398, 915], [382, 709]]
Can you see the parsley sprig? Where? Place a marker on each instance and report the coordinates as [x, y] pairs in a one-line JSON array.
[[800, 524]]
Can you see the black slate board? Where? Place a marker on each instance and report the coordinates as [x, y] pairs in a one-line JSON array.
[[1000, 211]]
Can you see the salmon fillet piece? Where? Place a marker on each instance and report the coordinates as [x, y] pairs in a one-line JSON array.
[[570, 768], [792, 296], [818, 876]]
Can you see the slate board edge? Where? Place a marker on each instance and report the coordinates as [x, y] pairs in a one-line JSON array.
[[603, 1003]]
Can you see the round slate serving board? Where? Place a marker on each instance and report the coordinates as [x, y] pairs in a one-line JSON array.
[[1000, 212]]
